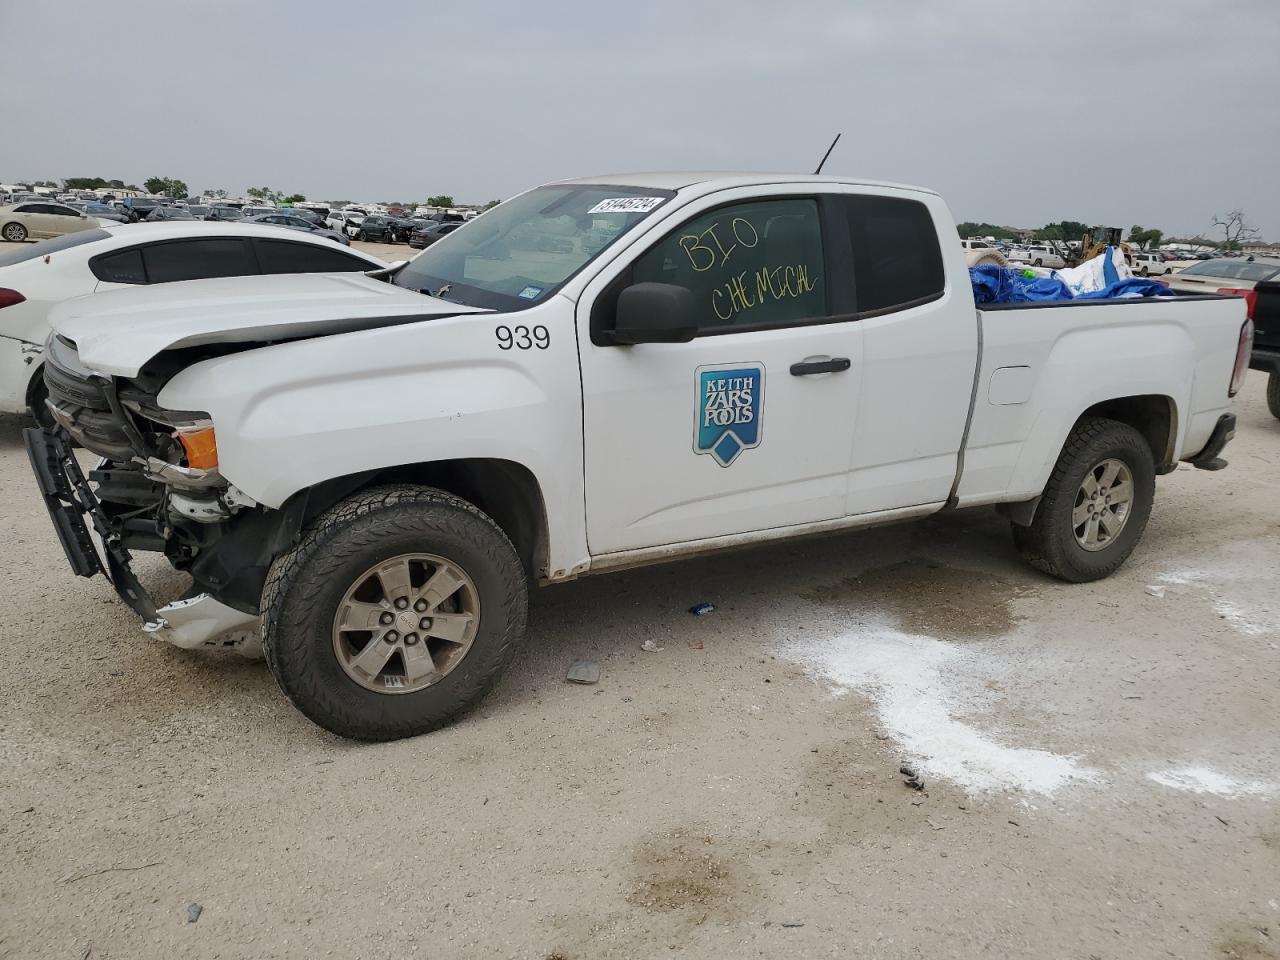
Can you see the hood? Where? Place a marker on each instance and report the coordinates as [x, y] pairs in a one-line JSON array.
[[118, 331]]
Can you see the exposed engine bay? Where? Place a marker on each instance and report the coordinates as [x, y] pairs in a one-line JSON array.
[[157, 488]]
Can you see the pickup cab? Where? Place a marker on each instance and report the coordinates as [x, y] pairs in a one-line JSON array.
[[1038, 256], [594, 375]]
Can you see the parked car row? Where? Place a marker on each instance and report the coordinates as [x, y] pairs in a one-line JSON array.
[[418, 231]]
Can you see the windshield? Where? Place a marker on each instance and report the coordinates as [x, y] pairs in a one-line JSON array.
[[1235, 269], [522, 251]]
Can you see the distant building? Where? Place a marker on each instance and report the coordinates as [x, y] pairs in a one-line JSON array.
[[1264, 249]]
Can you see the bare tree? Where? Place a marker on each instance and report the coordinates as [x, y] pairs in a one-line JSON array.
[[1235, 228]]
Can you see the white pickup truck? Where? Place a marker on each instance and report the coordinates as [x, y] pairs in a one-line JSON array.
[[594, 375]]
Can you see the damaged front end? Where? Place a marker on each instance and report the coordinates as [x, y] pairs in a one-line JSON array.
[[157, 488]]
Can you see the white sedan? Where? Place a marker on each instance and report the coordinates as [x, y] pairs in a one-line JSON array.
[[38, 220], [34, 277]]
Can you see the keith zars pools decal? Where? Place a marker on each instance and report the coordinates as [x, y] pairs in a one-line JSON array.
[[730, 408]]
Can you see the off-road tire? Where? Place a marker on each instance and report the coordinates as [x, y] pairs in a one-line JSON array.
[[306, 584], [1273, 393], [1049, 544], [13, 232]]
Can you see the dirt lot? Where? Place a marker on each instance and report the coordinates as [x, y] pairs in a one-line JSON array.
[[1100, 763]]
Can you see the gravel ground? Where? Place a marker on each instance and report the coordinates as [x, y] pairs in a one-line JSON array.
[[1100, 764]]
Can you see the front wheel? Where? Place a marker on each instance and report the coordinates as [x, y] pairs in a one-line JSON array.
[[398, 610], [14, 232], [1095, 506], [1273, 393]]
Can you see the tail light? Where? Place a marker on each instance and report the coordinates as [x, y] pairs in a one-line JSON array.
[[1250, 298], [9, 297], [1243, 349]]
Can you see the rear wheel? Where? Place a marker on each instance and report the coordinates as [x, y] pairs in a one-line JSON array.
[[1095, 506], [14, 232], [1273, 393], [397, 611]]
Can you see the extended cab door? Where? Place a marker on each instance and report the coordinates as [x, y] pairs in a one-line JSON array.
[[919, 349], [749, 426]]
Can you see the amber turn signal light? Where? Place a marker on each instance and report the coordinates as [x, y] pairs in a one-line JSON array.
[[201, 445]]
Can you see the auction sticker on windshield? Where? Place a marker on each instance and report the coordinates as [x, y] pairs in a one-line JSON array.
[[626, 205]]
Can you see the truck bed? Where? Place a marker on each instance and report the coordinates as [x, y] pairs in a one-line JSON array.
[[1036, 370]]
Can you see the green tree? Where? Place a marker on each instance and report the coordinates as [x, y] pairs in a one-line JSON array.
[[1145, 238], [264, 193], [970, 229], [1062, 230], [491, 204], [167, 186], [295, 198], [440, 200], [86, 183]]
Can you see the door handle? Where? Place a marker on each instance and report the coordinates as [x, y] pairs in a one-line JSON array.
[[811, 365]]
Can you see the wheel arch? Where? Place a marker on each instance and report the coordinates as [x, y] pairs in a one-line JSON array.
[[235, 570], [1155, 416], [507, 491]]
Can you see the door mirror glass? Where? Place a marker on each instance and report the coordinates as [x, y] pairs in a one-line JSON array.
[[655, 313]]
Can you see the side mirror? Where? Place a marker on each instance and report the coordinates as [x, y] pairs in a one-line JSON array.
[[655, 313]]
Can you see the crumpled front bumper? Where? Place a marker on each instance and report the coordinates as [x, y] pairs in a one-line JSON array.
[[202, 621], [193, 623]]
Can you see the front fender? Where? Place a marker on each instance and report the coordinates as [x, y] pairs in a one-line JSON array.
[[293, 415]]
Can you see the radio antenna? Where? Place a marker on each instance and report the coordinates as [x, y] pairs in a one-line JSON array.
[[827, 154]]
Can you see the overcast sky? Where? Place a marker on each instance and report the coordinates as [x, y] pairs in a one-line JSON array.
[[1158, 113]]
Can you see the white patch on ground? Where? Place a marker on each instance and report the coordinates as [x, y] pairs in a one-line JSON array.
[[1204, 780], [1240, 588], [914, 682]]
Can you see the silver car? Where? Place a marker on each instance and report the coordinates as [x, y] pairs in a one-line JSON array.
[[1224, 273]]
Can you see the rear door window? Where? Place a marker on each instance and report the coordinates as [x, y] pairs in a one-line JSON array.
[[123, 266], [199, 260], [897, 263], [282, 256]]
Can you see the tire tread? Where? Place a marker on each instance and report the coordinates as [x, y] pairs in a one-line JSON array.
[[1041, 545], [297, 579]]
